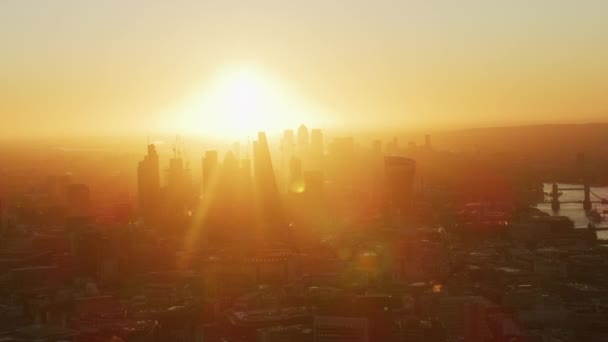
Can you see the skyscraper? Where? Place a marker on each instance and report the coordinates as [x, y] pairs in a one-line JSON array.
[[148, 182], [179, 185], [265, 184]]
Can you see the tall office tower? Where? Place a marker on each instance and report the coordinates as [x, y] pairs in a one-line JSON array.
[[400, 182], [303, 142], [179, 185], [427, 141], [265, 184], [148, 182], [316, 150], [210, 168]]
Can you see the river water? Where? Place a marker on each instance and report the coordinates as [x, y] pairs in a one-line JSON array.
[[575, 211]]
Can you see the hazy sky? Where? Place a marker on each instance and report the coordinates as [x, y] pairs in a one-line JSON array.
[[111, 66]]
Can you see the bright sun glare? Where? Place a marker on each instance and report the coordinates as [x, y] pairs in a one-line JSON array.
[[238, 102]]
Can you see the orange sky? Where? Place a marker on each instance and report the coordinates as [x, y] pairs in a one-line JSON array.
[[103, 67]]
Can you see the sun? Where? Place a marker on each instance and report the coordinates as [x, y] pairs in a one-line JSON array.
[[238, 102], [244, 100]]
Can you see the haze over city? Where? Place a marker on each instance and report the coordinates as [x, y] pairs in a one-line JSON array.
[[306, 171]]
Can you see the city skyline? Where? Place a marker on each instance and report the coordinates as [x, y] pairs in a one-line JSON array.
[[306, 171]]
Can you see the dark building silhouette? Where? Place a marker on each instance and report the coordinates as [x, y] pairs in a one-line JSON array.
[[400, 181], [148, 181], [271, 212], [179, 185]]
